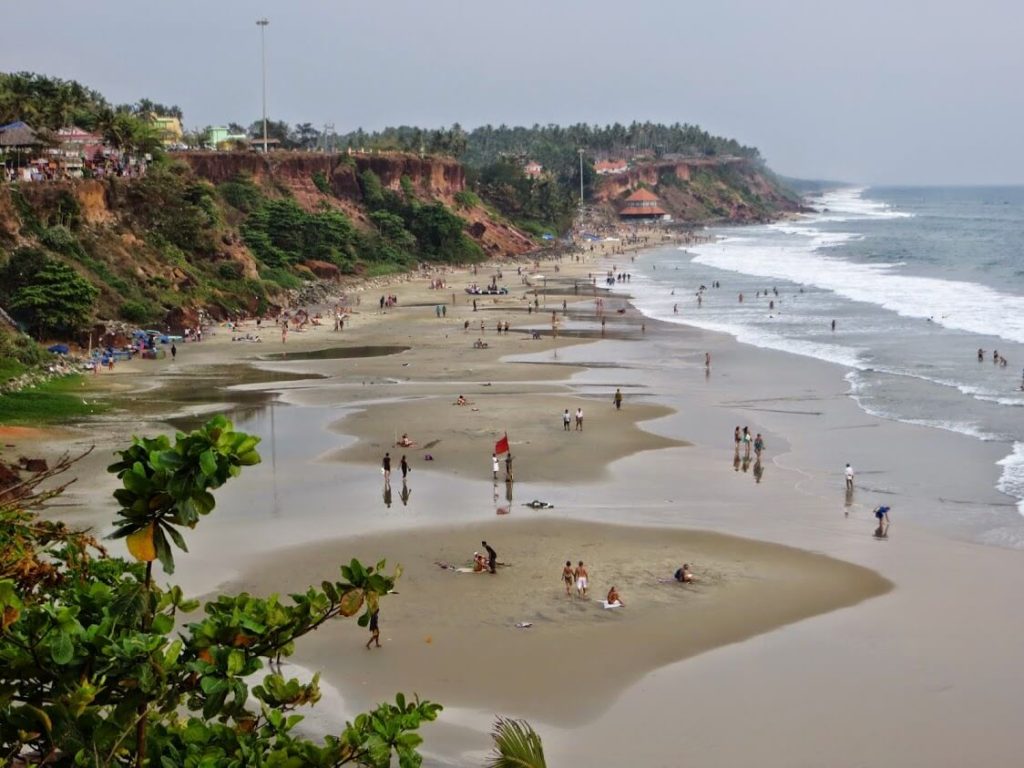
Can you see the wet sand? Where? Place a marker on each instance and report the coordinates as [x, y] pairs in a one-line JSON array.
[[452, 637]]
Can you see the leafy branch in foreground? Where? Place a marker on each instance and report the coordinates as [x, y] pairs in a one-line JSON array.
[[99, 668]]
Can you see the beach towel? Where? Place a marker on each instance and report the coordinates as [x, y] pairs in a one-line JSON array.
[[606, 604]]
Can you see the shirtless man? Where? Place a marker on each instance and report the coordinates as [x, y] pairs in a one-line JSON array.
[[568, 577], [582, 580], [613, 598]]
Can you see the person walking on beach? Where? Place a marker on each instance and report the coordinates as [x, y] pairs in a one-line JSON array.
[[737, 437], [579, 419], [746, 442], [495, 466], [568, 577], [981, 355], [758, 446], [566, 419], [849, 478], [707, 361], [374, 629], [404, 465], [508, 468], [492, 557], [618, 399], [833, 326], [386, 466], [582, 580], [174, 351]]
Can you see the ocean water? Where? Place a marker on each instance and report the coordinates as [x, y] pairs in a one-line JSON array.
[[916, 280]]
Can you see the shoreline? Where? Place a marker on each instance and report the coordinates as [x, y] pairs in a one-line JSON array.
[[680, 487]]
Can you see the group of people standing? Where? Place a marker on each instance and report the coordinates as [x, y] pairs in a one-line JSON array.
[[743, 439], [744, 442]]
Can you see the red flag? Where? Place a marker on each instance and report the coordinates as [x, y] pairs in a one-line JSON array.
[[502, 445]]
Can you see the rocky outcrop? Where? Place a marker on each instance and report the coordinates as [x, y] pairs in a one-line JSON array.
[[704, 190]]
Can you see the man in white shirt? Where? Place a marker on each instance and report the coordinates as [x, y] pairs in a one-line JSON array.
[[849, 478]]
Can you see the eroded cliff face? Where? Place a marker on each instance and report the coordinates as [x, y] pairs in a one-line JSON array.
[[704, 190], [432, 178]]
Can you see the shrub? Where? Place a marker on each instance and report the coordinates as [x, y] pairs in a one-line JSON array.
[[321, 183], [138, 311], [229, 270], [466, 199], [241, 193]]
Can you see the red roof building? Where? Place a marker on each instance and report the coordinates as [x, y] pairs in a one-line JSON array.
[[643, 204]]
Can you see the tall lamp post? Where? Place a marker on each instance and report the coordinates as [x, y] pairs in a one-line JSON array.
[[581, 177], [262, 24]]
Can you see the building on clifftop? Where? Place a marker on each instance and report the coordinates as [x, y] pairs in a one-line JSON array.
[[608, 167], [642, 204]]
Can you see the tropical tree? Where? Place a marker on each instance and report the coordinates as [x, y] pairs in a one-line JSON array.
[[99, 667], [53, 299]]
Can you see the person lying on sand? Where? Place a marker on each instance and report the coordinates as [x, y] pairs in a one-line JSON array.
[[683, 575], [613, 600]]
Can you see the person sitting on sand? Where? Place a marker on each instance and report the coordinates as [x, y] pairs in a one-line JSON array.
[[613, 600], [405, 442], [461, 401], [684, 575], [479, 563]]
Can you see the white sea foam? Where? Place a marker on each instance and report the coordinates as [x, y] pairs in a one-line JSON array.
[[1011, 481], [952, 303], [657, 307], [850, 203]]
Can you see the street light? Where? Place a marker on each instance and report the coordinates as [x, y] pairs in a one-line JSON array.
[[262, 24], [581, 177]]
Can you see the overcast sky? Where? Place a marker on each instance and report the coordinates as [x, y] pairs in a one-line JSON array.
[[878, 91]]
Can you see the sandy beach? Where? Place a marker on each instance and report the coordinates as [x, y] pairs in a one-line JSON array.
[[805, 642]]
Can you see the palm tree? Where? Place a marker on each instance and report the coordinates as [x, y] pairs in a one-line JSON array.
[[516, 745]]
